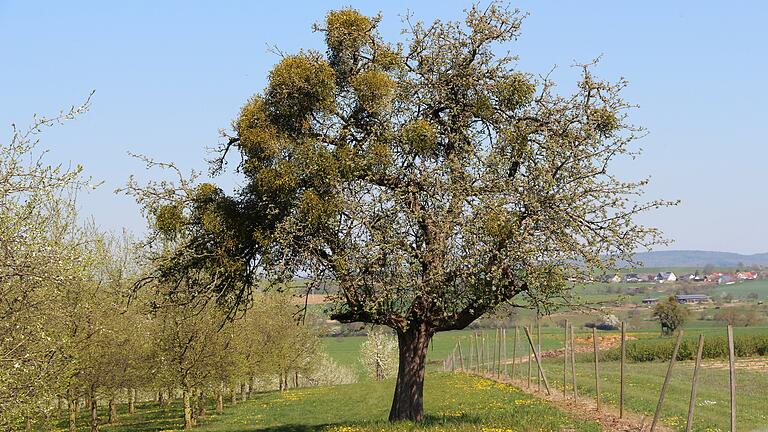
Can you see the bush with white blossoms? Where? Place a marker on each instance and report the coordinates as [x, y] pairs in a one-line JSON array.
[[379, 354]]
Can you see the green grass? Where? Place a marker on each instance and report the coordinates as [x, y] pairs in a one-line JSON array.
[[454, 402], [149, 417], [644, 381], [741, 290]]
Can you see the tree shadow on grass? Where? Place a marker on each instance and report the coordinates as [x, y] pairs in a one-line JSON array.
[[445, 422]]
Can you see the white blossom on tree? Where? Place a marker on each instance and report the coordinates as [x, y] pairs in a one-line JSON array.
[[379, 354]]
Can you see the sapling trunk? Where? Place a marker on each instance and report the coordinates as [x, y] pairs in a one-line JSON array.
[[132, 401], [94, 414], [112, 410], [72, 408], [188, 420]]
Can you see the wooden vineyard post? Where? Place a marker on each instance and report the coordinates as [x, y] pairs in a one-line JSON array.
[[495, 349], [692, 404], [484, 355], [514, 353], [732, 376], [573, 364], [537, 356], [461, 356], [565, 359], [530, 359], [667, 377], [504, 358], [453, 360], [477, 353], [596, 349], [538, 348], [498, 354], [469, 354], [621, 374]]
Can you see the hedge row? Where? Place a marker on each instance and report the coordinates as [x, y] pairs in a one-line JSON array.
[[715, 347]]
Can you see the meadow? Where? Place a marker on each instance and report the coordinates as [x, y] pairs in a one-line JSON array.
[[644, 381], [453, 402]]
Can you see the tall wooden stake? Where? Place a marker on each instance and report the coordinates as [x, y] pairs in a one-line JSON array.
[[732, 376], [514, 353], [484, 355], [573, 364], [477, 353], [470, 353], [565, 359], [695, 382], [461, 357], [666, 381], [530, 359], [504, 338], [493, 355], [498, 354], [596, 349], [537, 356], [538, 347], [621, 375]]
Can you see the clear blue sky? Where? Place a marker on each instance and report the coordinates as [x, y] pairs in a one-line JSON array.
[[169, 74]]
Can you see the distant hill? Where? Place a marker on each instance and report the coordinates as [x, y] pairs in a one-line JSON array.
[[695, 258]]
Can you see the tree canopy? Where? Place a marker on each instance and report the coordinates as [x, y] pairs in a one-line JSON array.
[[428, 178]]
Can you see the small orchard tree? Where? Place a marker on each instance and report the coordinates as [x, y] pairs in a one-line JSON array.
[[189, 350], [427, 178], [38, 257], [379, 354], [671, 315]]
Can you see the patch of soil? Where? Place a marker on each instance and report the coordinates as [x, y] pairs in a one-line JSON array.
[[755, 364]]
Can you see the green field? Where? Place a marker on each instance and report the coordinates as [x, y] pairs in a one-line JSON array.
[[644, 381], [453, 402], [346, 350], [741, 290]]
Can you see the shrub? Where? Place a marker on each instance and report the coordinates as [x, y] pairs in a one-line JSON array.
[[715, 347]]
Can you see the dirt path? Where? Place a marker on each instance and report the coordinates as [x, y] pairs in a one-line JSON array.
[[584, 408]]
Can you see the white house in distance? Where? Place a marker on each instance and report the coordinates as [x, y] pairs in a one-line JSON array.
[[666, 277]]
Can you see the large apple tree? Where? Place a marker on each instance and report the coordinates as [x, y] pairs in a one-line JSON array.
[[428, 180]]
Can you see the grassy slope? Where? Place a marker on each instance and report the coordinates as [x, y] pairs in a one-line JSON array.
[[741, 290], [452, 402], [644, 381]]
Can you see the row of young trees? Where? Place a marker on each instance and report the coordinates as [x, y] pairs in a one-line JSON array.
[[75, 334]]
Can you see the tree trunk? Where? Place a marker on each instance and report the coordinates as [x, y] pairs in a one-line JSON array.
[[112, 410], [72, 408], [233, 396], [187, 409], [94, 414], [201, 411], [132, 401], [220, 399], [251, 386], [408, 401], [243, 393]]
